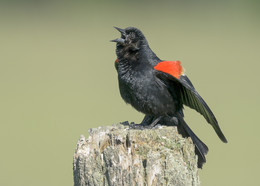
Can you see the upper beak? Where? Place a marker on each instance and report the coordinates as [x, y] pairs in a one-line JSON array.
[[120, 40], [122, 31]]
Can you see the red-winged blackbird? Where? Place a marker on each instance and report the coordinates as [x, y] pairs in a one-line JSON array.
[[158, 88]]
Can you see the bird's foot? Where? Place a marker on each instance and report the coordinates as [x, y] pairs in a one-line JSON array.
[[145, 124], [140, 126], [143, 127], [125, 123]]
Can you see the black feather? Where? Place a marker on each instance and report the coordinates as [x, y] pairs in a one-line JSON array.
[[191, 98]]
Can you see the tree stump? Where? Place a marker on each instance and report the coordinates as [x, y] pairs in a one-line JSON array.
[[119, 156]]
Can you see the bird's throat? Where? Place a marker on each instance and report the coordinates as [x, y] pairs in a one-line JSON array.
[[131, 60]]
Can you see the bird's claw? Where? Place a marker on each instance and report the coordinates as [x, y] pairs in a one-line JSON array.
[[132, 125]]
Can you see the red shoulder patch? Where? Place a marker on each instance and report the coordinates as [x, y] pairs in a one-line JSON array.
[[116, 61], [173, 68]]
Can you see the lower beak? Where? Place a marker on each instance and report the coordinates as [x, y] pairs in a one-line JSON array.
[[119, 40]]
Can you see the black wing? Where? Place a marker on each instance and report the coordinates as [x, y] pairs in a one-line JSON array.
[[191, 98]]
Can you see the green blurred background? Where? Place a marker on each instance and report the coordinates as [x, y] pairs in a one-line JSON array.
[[57, 80]]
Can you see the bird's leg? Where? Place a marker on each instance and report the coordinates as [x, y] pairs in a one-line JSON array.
[[147, 123], [155, 121], [147, 120]]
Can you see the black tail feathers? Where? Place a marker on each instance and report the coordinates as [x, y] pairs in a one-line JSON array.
[[200, 148]]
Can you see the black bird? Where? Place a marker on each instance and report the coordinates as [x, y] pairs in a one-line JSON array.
[[158, 88]]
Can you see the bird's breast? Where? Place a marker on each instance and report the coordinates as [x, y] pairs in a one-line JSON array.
[[146, 93]]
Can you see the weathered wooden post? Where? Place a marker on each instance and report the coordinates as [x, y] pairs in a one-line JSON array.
[[117, 155]]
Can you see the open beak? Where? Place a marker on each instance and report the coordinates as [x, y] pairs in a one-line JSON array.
[[120, 40]]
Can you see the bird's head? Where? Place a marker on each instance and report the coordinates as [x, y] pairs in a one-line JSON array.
[[131, 41]]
